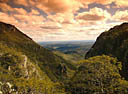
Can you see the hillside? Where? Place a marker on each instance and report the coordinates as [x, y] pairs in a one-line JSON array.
[[98, 75], [68, 57], [28, 68], [113, 42], [21, 58]]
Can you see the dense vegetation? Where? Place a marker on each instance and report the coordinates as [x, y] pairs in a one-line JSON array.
[[28, 68], [113, 43], [47, 61], [23, 74], [98, 75]]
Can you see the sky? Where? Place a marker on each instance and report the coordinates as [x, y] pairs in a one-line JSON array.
[[63, 20]]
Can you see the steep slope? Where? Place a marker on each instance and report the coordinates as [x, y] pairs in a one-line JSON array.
[[25, 63], [48, 62], [113, 43], [19, 74]]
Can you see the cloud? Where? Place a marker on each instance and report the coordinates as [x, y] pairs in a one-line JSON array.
[[35, 12], [3, 1], [121, 3], [20, 2], [93, 16], [57, 6], [6, 18], [50, 27], [20, 11], [62, 6], [121, 16], [31, 19], [104, 2], [63, 18], [5, 7]]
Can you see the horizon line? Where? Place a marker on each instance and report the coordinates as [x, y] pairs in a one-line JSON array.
[[64, 40]]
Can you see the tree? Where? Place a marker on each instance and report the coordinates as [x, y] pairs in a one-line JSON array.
[[98, 75]]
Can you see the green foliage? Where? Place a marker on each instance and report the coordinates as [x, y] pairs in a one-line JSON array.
[[113, 43], [37, 82], [31, 86], [98, 75], [28, 66], [12, 40], [32, 69]]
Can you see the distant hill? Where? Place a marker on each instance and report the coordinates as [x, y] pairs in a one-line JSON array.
[[113, 42], [70, 50]]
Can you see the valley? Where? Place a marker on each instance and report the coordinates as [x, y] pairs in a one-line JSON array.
[[70, 50], [68, 67]]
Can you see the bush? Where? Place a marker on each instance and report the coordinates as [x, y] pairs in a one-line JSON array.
[[98, 75]]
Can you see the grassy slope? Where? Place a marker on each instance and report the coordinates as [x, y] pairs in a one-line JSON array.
[[47, 61]]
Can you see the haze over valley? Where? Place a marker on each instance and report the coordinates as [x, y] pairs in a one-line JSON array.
[[69, 50]]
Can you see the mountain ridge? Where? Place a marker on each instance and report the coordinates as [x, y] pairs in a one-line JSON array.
[[113, 43], [16, 47]]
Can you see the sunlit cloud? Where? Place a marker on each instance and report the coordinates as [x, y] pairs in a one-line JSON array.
[[93, 16], [5, 7], [121, 16], [121, 3], [20, 2], [52, 20], [57, 6]]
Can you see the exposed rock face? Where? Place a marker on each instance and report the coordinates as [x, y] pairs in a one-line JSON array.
[[113, 43], [28, 68], [24, 63]]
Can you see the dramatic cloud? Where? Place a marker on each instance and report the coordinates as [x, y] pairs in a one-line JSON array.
[[121, 16], [58, 6], [20, 2], [20, 11], [121, 3], [93, 16], [5, 7], [8, 19], [46, 20], [32, 19], [67, 18], [3, 1], [104, 2], [35, 12]]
